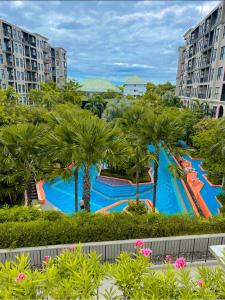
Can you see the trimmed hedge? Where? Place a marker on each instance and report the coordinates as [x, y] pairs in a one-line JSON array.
[[98, 227]]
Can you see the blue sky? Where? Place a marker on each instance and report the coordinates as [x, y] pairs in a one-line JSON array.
[[112, 39]]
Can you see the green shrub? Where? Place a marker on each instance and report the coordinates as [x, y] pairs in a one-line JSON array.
[[213, 178], [26, 214], [76, 275], [137, 207], [93, 227], [221, 198]]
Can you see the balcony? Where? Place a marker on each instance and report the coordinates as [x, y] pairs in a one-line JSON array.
[[189, 81], [204, 79], [10, 77], [202, 95]]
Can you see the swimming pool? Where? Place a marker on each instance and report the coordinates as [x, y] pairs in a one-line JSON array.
[[171, 196], [208, 192]]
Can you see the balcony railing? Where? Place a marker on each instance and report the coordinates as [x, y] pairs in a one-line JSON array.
[[204, 79]]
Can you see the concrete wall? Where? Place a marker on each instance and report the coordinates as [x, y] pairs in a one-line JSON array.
[[134, 89], [193, 248]]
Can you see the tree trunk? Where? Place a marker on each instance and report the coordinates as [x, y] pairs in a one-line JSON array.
[[76, 188], [86, 189], [26, 200], [223, 182], [27, 193], [137, 187], [156, 168]]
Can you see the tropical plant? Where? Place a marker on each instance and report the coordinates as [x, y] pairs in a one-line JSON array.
[[96, 105], [159, 130], [21, 156], [85, 140]]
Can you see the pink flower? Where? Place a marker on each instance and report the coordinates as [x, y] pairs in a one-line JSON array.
[[21, 277], [139, 243], [146, 252], [72, 247], [169, 258], [180, 263], [200, 282], [46, 258]]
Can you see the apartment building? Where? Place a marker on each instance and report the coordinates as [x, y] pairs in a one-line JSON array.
[[27, 59], [134, 86], [201, 64]]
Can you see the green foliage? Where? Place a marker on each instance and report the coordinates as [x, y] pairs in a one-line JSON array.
[[26, 214], [21, 229], [136, 207], [76, 275]]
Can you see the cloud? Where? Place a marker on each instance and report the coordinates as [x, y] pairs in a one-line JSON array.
[[112, 39], [132, 65]]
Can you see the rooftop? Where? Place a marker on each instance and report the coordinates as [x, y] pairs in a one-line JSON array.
[[135, 80], [98, 85]]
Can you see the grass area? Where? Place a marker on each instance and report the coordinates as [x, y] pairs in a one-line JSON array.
[[143, 177]]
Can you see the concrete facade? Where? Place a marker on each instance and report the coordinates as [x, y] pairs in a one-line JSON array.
[[134, 86], [27, 59], [201, 64]]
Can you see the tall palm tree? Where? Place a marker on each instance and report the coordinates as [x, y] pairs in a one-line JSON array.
[[140, 158], [85, 141], [21, 155], [159, 130]]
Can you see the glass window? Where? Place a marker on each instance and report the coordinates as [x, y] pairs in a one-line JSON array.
[[21, 63], [222, 53], [21, 49], [17, 62], [18, 75], [22, 75], [219, 74], [212, 73], [16, 48], [23, 88], [1, 59]]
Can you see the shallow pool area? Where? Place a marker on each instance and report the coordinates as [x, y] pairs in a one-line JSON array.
[[208, 192], [171, 196]]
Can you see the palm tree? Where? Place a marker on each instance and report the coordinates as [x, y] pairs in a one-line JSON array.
[[85, 141], [97, 141], [140, 158], [96, 105], [159, 130], [21, 155]]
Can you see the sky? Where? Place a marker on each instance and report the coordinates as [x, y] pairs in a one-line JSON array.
[[112, 39]]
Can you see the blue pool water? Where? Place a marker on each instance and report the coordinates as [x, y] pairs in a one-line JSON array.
[[208, 192], [171, 197]]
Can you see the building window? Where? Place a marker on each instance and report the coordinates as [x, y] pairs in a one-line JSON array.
[[219, 74], [16, 48], [217, 90], [21, 49], [17, 62], [214, 55], [217, 34], [22, 75], [21, 63], [19, 88], [212, 73], [23, 88], [1, 59], [223, 31], [222, 53], [18, 75]]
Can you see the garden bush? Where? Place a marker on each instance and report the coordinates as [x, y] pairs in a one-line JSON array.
[[76, 275], [93, 227], [26, 214], [137, 207]]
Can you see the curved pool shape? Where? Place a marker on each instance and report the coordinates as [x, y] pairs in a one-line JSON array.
[[171, 196], [208, 192]]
